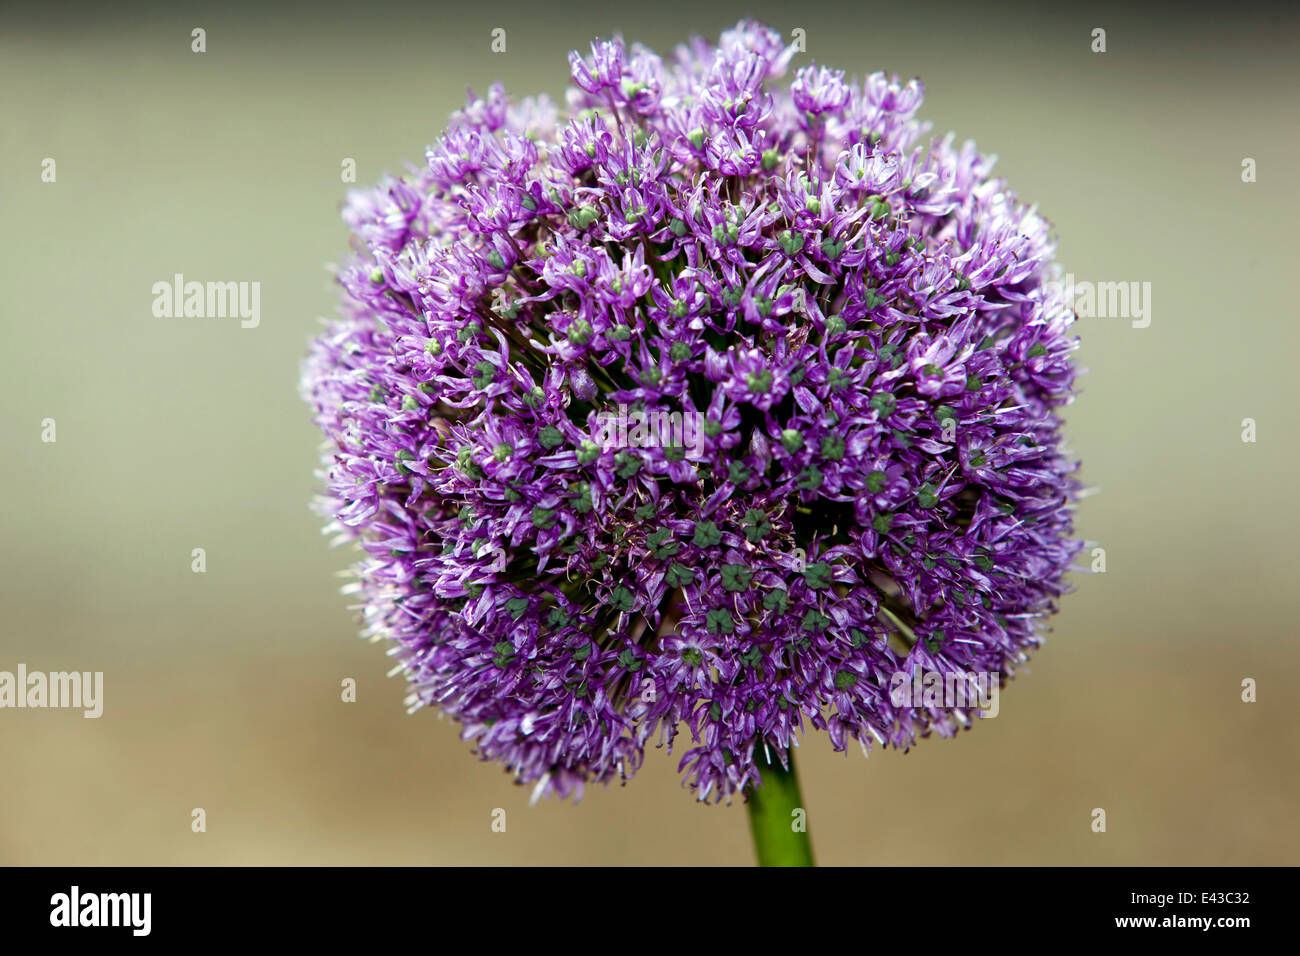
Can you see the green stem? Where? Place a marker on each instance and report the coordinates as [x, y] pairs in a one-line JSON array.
[[780, 834]]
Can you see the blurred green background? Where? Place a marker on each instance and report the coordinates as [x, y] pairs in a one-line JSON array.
[[222, 689]]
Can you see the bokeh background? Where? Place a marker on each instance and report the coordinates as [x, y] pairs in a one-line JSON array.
[[222, 689]]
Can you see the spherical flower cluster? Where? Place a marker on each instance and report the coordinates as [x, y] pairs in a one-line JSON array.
[[705, 404]]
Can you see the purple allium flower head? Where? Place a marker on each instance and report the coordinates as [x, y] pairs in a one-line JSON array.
[[704, 406]]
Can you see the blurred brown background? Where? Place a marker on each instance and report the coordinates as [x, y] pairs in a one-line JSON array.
[[222, 689]]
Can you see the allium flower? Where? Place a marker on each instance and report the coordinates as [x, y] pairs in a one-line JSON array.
[[862, 324]]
